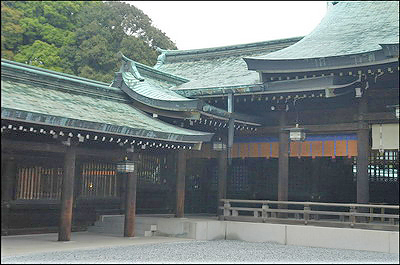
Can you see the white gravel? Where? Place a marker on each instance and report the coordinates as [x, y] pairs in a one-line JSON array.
[[219, 251]]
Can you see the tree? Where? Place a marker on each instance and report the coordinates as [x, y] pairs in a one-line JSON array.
[[79, 37], [11, 31], [40, 54]]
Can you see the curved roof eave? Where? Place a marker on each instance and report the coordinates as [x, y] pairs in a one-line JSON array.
[[55, 105], [129, 80], [351, 33], [135, 86], [320, 64], [95, 127]]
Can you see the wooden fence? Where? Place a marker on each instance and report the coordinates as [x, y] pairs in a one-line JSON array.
[[371, 216]]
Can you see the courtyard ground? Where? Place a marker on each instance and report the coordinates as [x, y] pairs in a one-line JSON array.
[[88, 247]]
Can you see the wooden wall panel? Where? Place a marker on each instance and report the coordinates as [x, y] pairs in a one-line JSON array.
[[235, 150], [254, 150], [275, 149], [243, 150], [352, 147], [305, 149], [265, 150], [329, 148], [317, 148], [294, 149], [341, 148]]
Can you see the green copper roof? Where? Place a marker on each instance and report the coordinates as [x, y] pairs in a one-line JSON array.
[[348, 28], [217, 67], [154, 97], [45, 102]]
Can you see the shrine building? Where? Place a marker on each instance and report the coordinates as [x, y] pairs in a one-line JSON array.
[[313, 118]]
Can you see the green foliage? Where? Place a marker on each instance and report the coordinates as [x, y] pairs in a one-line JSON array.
[[78, 37], [11, 31], [40, 54]]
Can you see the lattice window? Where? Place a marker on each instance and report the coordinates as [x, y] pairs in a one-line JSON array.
[[240, 179], [98, 180], [38, 182], [383, 167], [194, 182], [214, 179], [149, 169]]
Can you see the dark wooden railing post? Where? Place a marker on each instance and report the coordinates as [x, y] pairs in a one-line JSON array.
[[130, 199], [180, 183], [64, 233]]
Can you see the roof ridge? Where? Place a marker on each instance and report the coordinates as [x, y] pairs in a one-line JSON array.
[[227, 47], [68, 76], [153, 70], [92, 85]]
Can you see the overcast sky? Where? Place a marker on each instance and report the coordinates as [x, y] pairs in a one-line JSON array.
[[203, 24]]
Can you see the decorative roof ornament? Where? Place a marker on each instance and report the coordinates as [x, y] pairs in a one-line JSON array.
[[160, 59], [129, 66]]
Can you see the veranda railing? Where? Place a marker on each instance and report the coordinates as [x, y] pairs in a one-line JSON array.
[[375, 216]]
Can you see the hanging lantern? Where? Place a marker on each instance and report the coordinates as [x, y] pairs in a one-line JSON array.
[[126, 166], [396, 110], [219, 146], [297, 134]]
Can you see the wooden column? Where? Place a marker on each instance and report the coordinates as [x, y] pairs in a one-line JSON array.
[[8, 178], [283, 170], [180, 183], [231, 128], [64, 233], [362, 153], [9, 173], [222, 173], [130, 202]]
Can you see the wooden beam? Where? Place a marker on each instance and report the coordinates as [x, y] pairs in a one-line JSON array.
[[172, 114], [7, 144], [116, 153], [32, 146], [381, 117], [64, 233], [180, 183], [322, 128], [130, 204]]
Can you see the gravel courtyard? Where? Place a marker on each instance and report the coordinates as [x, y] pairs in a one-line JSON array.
[[220, 251]]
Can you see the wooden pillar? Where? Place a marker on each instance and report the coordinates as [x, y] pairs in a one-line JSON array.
[[180, 183], [64, 233], [231, 128], [283, 170], [130, 200], [8, 178], [362, 153], [9, 173], [222, 174], [362, 165]]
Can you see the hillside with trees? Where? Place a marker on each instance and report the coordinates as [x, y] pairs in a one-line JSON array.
[[82, 38]]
